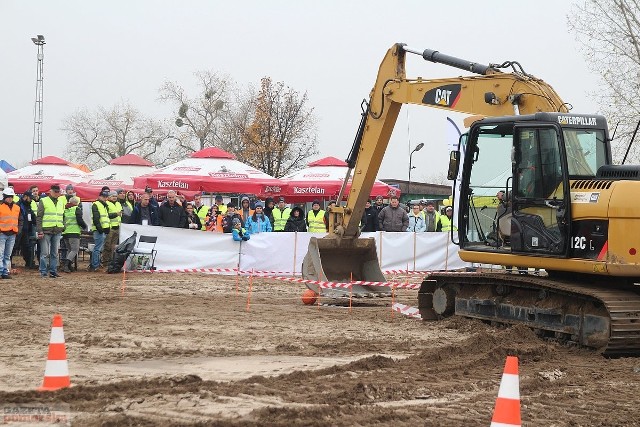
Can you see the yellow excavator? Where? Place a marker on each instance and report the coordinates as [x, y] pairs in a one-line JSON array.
[[566, 208]]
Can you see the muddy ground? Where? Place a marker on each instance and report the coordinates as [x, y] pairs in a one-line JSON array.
[[183, 349]]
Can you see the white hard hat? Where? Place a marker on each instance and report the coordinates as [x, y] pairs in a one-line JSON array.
[[8, 192]]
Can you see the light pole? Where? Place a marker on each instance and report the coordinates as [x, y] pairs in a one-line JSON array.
[[37, 109], [418, 148]]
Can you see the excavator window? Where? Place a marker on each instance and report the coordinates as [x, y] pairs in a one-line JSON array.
[[538, 164], [586, 151], [491, 172]]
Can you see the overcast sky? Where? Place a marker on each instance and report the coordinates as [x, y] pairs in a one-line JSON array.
[[102, 53]]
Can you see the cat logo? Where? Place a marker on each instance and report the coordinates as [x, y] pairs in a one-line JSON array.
[[443, 96]]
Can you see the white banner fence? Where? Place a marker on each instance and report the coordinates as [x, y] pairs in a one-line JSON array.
[[183, 249]]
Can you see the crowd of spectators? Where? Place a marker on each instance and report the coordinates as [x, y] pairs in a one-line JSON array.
[[42, 221]]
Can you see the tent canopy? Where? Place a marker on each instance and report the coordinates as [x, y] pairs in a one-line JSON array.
[[45, 172], [119, 173], [323, 180], [131, 160], [212, 170]]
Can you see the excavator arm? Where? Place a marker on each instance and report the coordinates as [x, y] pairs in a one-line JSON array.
[[492, 93]]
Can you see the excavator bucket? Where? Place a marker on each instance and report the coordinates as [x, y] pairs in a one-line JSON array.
[[339, 260]]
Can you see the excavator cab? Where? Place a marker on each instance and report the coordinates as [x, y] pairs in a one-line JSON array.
[[514, 193]]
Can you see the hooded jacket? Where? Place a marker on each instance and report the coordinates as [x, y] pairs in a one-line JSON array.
[[245, 213], [296, 223], [258, 223]]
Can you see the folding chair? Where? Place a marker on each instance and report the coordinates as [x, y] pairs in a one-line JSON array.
[[143, 256]]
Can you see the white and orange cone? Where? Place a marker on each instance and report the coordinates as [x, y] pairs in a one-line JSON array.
[[56, 372], [507, 410]]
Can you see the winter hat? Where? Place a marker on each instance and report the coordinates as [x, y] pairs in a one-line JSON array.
[[235, 222], [379, 198], [69, 187], [113, 193], [280, 199], [27, 193], [218, 198], [104, 194], [245, 198], [259, 205]]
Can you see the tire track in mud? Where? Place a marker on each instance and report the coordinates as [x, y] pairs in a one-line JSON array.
[[452, 383]]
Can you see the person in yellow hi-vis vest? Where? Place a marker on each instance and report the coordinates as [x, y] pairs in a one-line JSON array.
[[50, 224], [445, 222], [281, 214], [73, 226], [200, 209], [114, 210], [101, 226], [315, 219]]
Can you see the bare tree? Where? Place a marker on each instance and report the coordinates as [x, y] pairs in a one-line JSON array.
[[201, 120], [95, 138], [609, 33], [275, 127]]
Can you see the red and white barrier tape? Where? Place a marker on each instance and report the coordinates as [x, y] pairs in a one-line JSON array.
[[333, 285], [265, 272], [407, 310], [270, 275], [415, 272]]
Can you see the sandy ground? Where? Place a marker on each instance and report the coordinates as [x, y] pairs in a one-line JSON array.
[[179, 349]]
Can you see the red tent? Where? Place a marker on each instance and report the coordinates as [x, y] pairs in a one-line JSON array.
[[212, 170], [119, 173], [44, 172], [322, 180]]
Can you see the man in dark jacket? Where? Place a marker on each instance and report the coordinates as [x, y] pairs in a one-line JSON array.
[[269, 204], [144, 213], [172, 214], [393, 217], [26, 230], [369, 220], [296, 221]]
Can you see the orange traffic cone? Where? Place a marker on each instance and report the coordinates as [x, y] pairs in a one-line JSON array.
[[507, 411], [56, 372]]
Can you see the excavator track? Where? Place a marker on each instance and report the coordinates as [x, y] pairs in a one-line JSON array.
[[604, 318]]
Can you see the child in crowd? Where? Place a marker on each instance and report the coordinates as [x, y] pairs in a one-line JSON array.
[[239, 233]]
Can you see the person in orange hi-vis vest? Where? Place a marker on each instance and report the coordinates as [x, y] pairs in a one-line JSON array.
[[9, 217]]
